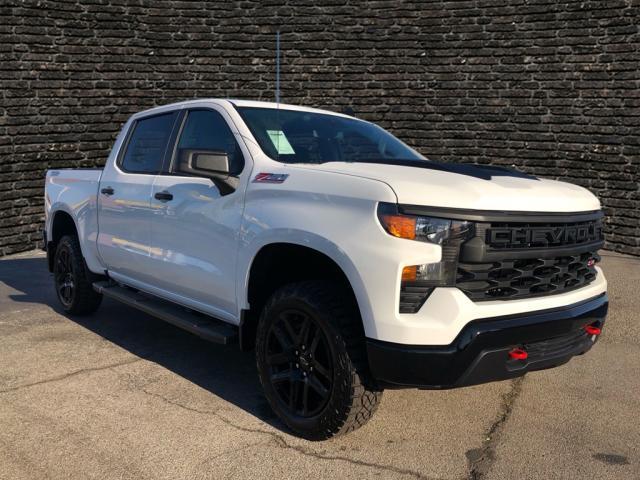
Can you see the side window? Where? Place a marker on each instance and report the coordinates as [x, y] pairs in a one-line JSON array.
[[148, 143], [207, 130]]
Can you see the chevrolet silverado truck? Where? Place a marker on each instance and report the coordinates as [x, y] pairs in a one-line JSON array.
[[348, 261]]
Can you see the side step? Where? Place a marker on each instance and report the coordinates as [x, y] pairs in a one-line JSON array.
[[205, 327]]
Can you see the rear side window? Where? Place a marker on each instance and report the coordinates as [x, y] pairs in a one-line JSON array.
[[148, 143], [207, 130]]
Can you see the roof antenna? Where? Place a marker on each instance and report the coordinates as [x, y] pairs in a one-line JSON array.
[[278, 66], [278, 95]]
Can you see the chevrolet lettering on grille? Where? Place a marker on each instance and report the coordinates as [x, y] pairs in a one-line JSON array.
[[558, 235]]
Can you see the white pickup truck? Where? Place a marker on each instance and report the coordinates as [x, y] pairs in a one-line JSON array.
[[348, 260]]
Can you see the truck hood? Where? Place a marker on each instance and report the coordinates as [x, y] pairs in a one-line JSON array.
[[473, 187]]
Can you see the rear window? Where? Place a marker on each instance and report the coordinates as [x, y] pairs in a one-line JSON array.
[[148, 143]]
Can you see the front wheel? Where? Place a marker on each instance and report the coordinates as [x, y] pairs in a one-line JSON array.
[[312, 362], [73, 280]]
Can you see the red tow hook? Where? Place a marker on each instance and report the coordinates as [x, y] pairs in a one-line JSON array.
[[592, 330], [518, 354]]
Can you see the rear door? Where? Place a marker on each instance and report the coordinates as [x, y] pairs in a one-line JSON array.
[[196, 221], [124, 205]]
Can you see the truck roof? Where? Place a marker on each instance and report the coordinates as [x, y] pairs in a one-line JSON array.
[[239, 103]]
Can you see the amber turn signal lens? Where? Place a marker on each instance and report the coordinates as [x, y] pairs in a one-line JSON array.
[[400, 226], [409, 274]]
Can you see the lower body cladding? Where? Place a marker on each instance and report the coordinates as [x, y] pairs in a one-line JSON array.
[[492, 349]]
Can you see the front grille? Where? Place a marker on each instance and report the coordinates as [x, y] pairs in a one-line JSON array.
[[531, 256], [526, 277]]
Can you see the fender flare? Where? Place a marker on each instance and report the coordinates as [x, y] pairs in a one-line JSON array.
[[249, 252], [90, 255]]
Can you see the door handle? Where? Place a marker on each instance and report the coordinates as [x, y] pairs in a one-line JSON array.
[[107, 191], [163, 196]]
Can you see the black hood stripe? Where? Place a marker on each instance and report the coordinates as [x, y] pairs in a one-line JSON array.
[[483, 172]]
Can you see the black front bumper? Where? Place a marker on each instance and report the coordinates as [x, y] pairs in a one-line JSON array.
[[480, 353]]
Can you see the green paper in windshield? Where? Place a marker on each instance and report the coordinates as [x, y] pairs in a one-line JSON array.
[[279, 140]]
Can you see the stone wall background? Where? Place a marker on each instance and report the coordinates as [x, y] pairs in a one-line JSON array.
[[549, 86]]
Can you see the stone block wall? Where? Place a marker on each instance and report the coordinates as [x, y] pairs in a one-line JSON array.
[[552, 87]]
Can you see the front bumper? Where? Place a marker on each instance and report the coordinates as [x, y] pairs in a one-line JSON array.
[[479, 354]]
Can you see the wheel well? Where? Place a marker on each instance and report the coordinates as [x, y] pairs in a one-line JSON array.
[[276, 265], [62, 225]]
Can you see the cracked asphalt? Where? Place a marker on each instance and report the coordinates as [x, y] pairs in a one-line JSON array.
[[123, 395]]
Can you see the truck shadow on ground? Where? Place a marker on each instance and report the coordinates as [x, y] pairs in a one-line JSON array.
[[224, 371]]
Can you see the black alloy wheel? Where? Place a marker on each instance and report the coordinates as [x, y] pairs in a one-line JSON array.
[[300, 364], [64, 277], [73, 280]]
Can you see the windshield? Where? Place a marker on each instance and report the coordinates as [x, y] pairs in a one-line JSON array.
[[291, 136]]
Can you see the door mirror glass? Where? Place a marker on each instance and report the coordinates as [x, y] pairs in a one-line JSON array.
[[203, 162]]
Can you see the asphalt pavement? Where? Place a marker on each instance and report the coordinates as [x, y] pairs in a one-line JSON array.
[[122, 395]]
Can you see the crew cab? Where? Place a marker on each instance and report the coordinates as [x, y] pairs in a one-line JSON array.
[[347, 260]]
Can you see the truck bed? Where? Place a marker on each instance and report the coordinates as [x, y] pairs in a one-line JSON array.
[[74, 192]]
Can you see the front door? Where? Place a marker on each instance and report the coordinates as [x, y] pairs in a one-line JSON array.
[[196, 221], [124, 205]]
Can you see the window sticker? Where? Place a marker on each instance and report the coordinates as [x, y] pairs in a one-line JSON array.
[[279, 140]]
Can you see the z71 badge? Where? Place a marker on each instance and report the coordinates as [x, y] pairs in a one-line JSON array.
[[270, 177]]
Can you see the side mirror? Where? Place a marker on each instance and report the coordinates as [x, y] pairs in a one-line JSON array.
[[206, 163], [213, 164]]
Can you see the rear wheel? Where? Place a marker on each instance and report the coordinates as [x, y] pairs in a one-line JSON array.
[[312, 361], [73, 280]]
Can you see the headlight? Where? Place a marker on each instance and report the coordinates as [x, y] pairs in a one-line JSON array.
[[427, 229], [418, 281]]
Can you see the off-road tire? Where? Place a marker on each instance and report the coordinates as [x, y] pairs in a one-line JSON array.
[[353, 397], [83, 299]]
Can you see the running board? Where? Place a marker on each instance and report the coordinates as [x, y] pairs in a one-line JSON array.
[[204, 326]]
